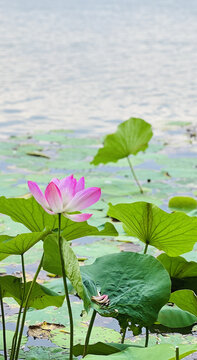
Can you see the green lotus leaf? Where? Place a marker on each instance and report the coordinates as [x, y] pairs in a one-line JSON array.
[[182, 203], [161, 352], [29, 213], [41, 297], [101, 348], [137, 285], [186, 300], [174, 317], [52, 264], [131, 137], [18, 245], [183, 273], [173, 233]]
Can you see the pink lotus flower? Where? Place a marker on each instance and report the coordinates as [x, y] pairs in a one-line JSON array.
[[66, 196]]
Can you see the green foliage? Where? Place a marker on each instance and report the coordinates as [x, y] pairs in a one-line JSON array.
[[137, 285], [131, 137], [101, 348], [9, 336], [186, 300], [41, 297], [18, 245], [11, 286], [182, 203], [173, 233], [183, 273], [98, 334], [35, 218], [52, 263], [174, 317], [162, 352], [44, 353]]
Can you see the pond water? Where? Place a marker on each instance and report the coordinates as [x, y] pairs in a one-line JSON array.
[[91, 64]]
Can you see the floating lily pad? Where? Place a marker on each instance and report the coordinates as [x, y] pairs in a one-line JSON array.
[[44, 353], [61, 338], [9, 336], [182, 203], [162, 352]]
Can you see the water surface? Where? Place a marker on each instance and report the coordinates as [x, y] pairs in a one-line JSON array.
[[90, 64]]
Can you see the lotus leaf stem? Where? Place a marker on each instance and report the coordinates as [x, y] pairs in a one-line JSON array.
[[146, 248], [14, 340], [123, 335], [134, 175], [147, 337], [26, 307], [177, 353], [3, 326], [89, 333], [66, 288]]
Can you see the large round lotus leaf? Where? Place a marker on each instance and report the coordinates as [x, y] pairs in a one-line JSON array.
[[137, 285]]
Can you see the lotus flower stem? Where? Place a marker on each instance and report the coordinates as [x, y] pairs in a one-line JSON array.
[[177, 353], [26, 307], [147, 337], [3, 326], [66, 289], [89, 333], [134, 175], [14, 340], [123, 335]]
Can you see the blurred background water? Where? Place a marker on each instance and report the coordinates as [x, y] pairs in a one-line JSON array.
[[90, 64]]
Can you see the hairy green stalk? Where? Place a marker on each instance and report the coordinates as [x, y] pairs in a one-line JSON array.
[[66, 289], [3, 326], [14, 340], [177, 353], [26, 307], [123, 336], [134, 175], [147, 337], [89, 333], [146, 248]]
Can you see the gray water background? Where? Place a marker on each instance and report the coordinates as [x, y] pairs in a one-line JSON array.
[[90, 64]]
